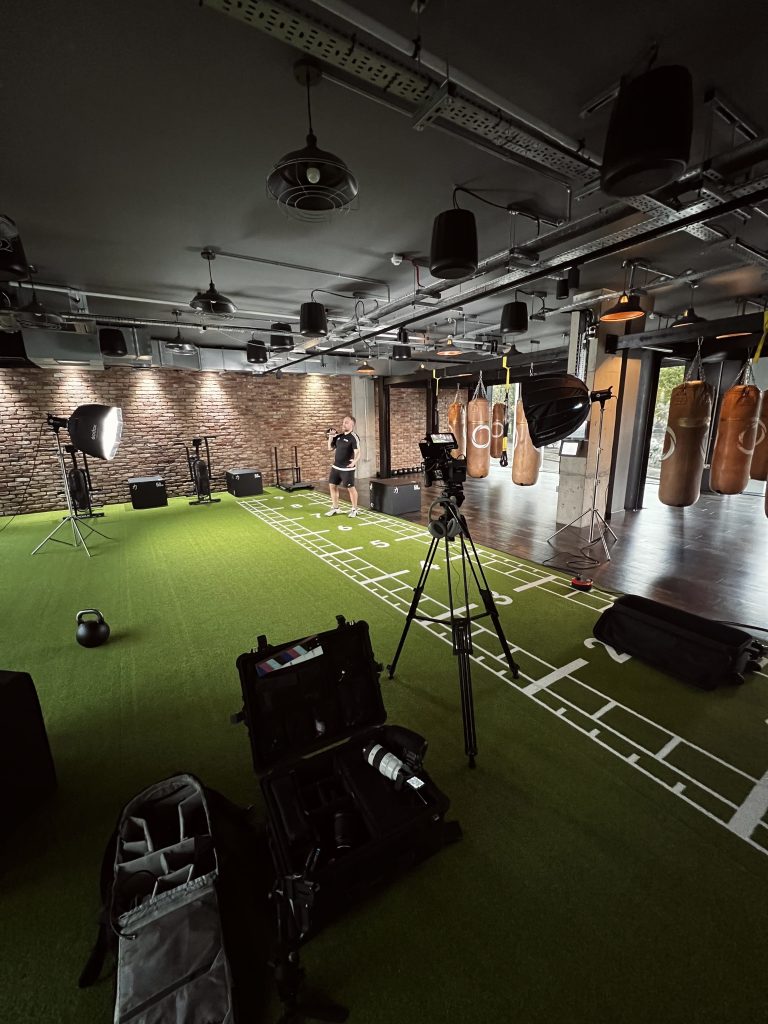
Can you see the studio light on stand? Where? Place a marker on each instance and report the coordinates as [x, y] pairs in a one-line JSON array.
[[94, 430], [598, 527]]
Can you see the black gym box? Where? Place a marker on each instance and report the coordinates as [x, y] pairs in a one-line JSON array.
[[148, 492], [244, 483], [395, 499]]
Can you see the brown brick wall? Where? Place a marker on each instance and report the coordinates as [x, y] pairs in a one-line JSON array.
[[445, 398], [162, 408], [407, 421]]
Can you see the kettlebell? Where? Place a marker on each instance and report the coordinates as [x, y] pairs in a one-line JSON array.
[[90, 632]]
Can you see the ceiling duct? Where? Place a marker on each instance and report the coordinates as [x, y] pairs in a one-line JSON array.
[[54, 349]]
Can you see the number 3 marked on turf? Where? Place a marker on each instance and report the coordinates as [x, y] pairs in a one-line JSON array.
[[379, 544], [614, 654]]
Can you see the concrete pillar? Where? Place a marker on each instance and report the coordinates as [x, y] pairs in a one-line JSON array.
[[577, 473], [364, 411]]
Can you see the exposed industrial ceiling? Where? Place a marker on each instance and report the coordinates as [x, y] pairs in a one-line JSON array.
[[138, 134]]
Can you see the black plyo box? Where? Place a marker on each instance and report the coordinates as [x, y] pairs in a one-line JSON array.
[[395, 499], [244, 483], [148, 492], [26, 766]]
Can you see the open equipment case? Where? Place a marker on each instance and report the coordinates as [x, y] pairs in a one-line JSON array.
[[338, 827]]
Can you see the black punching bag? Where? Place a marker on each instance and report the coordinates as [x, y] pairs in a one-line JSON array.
[[649, 136]]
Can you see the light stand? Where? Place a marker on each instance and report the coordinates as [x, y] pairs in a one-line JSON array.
[[78, 540], [448, 527], [595, 516]]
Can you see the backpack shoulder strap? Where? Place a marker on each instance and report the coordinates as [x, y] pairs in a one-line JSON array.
[[104, 937]]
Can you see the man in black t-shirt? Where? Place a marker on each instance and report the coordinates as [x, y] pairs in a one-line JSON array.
[[346, 447]]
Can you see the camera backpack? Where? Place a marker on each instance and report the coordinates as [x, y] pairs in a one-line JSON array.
[[337, 826], [182, 880]]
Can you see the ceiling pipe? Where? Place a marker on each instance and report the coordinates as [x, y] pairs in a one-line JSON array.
[[756, 191], [64, 290], [307, 270]]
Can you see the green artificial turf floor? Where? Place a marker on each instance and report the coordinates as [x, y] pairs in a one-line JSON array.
[[597, 880]]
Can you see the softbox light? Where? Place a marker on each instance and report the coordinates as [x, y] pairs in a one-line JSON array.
[[96, 430], [555, 405]]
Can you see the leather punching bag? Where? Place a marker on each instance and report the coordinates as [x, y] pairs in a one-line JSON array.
[[759, 468], [457, 424], [526, 460], [478, 438], [497, 429], [685, 444], [736, 435]]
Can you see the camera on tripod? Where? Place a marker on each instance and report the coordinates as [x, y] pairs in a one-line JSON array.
[[439, 465]]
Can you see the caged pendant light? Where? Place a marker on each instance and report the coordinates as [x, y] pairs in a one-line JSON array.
[[211, 300], [311, 183]]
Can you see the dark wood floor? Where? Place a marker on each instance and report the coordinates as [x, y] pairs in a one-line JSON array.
[[711, 559]]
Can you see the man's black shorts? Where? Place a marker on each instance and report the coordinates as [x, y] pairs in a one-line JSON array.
[[342, 477]]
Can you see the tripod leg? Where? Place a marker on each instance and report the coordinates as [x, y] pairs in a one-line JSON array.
[[51, 536], [462, 642], [487, 595], [417, 592]]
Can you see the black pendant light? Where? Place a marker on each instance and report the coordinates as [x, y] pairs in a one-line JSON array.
[[400, 352], [366, 369], [453, 253], [689, 315], [627, 308], [311, 183], [34, 313], [281, 342], [313, 320], [257, 351], [211, 300], [649, 136], [514, 318]]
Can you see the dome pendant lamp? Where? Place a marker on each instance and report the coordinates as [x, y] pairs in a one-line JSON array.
[[211, 300], [689, 315], [311, 183], [628, 305]]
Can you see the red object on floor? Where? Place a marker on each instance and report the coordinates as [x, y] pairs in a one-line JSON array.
[[579, 584]]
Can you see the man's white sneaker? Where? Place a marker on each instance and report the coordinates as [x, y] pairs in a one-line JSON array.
[[333, 511], [352, 514]]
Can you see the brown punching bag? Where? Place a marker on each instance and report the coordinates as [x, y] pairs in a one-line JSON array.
[[478, 438], [759, 468], [457, 424], [526, 460], [736, 435], [497, 429], [685, 444]]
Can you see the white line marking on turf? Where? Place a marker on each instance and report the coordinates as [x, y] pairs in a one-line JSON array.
[[679, 788], [747, 817], [389, 576], [558, 673], [535, 583], [668, 748], [336, 557], [605, 708]]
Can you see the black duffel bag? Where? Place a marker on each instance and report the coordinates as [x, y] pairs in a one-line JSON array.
[[697, 650]]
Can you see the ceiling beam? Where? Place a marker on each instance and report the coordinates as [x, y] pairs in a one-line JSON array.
[[709, 329]]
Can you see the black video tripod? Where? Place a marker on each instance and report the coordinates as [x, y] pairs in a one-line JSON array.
[[449, 526]]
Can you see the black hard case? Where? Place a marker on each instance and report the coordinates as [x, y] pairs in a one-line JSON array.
[[291, 714], [699, 651], [27, 772]]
